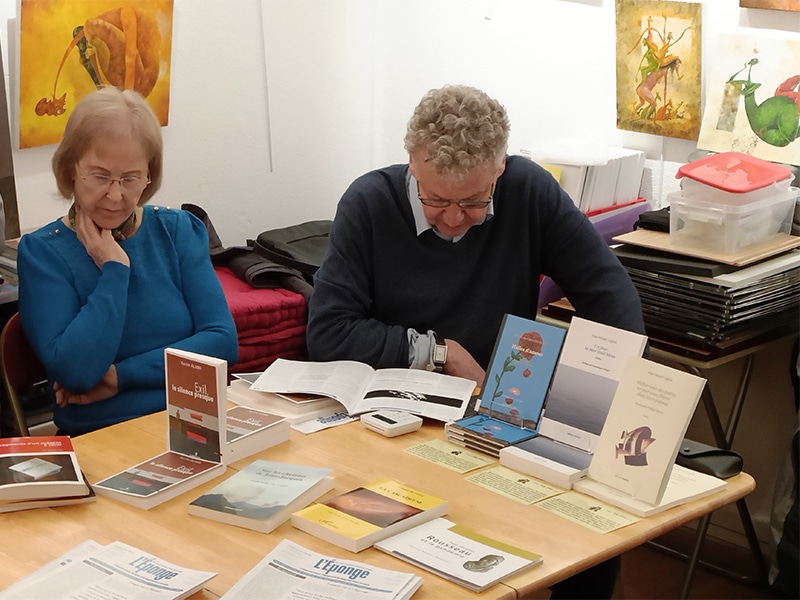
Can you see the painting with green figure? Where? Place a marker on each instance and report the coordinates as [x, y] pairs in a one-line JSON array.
[[753, 99]]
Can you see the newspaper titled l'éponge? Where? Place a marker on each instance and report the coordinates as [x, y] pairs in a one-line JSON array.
[[292, 572], [117, 571]]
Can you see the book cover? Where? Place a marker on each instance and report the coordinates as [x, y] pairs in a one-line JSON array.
[[592, 360], [358, 518], [249, 431], [196, 433], [459, 554], [262, 495], [516, 384], [684, 485], [35, 468], [158, 479], [360, 388], [646, 423]]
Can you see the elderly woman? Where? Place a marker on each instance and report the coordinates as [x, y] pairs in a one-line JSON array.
[[104, 289]]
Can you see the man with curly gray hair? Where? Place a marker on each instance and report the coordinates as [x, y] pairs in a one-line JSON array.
[[425, 258]]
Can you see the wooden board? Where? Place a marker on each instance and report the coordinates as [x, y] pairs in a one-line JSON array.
[[658, 240]]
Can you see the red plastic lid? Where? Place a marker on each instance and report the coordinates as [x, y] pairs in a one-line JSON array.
[[734, 172]]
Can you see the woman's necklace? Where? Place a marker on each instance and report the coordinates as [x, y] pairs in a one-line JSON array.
[[123, 232]]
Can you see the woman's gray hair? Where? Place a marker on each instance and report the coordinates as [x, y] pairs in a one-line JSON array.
[[461, 128], [98, 113]]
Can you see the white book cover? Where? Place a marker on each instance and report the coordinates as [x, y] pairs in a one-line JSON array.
[[459, 554], [644, 428], [589, 369]]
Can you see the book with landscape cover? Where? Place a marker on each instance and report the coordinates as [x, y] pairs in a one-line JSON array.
[[646, 424], [262, 495], [295, 408], [358, 518], [590, 366], [39, 468], [360, 388], [459, 554], [684, 485], [196, 432], [515, 388], [250, 431]]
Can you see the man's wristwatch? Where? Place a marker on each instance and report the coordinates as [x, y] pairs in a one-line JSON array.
[[439, 353]]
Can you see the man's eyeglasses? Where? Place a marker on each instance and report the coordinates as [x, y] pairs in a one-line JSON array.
[[98, 181], [467, 204]]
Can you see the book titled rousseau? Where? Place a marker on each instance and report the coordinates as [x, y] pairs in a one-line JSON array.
[[358, 518]]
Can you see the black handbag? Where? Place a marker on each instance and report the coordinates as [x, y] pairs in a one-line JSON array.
[[709, 459], [302, 247]]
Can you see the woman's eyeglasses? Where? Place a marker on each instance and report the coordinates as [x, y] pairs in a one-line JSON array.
[[98, 181]]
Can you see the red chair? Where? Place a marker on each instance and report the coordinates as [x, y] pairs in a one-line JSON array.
[[21, 371]]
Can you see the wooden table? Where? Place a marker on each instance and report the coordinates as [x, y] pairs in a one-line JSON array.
[[32, 538]]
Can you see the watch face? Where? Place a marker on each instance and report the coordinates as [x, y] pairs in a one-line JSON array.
[[439, 354]]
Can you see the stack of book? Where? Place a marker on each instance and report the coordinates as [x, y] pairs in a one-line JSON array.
[[40, 471], [603, 186]]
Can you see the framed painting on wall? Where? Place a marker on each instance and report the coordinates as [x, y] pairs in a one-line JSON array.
[[659, 67], [69, 48], [753, 97]]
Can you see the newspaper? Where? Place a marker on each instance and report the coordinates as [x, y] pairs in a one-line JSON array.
[[292, 572], [117, 571]]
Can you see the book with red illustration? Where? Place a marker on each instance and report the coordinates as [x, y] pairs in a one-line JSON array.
[[196, 432]]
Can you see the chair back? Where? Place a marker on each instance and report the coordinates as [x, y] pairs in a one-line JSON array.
[[21, 369]]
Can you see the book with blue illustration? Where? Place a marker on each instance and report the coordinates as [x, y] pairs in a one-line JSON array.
[[513, 394]]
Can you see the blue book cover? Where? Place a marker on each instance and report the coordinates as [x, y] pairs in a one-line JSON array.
[[523, 361]]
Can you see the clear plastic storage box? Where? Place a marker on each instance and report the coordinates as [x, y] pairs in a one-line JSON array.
[[730, 201]]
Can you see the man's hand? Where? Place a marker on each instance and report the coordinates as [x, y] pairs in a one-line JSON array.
[[105, 388], [461, 364]]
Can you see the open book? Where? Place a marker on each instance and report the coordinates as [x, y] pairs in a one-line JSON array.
[[590, 366], [360, 388]]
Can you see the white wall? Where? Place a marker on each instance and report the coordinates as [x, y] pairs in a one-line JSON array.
[[264, 143]]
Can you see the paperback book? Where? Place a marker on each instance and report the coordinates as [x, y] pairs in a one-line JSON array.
[[459, 554], [515, 388], [683, 485], [295, 408], [196, 431], [358, 518], [262, 495], [249, 431], [39, 468], [360, 388], [589, 369], [652, 407]]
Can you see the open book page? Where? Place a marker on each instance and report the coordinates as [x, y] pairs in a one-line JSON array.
[[433, 395], [361, 389], [293, 572], [342, 380]]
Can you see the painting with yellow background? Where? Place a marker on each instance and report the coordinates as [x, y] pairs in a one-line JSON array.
[[69, 48]]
